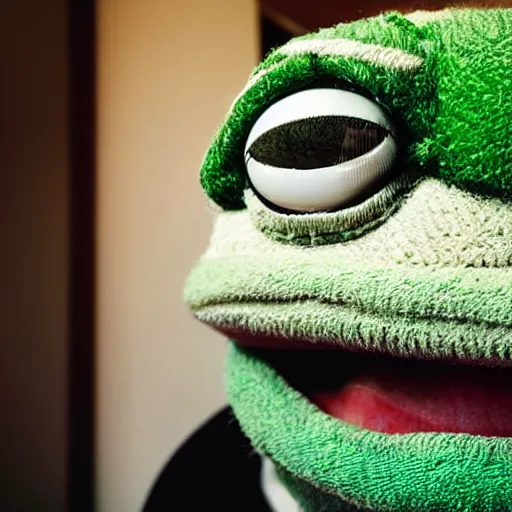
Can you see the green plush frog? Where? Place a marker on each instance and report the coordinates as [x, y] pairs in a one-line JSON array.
[[361, 262]]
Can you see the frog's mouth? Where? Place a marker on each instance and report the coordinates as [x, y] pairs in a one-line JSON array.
[[392, 395], [438, 361], [340, 374], [399, 396]]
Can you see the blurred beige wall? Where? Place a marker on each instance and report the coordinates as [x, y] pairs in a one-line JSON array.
[[168, 71], [34, 210]]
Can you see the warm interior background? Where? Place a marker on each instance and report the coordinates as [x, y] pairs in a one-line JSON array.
[[304, 16], [107, 107], [167, 73]]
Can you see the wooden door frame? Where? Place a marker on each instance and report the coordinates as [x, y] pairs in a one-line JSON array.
[[82, 273]]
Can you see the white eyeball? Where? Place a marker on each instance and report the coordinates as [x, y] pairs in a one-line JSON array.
[[319, 149]]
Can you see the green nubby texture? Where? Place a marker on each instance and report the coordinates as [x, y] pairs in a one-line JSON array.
[[420, 269], [327, 464], [454, 114]]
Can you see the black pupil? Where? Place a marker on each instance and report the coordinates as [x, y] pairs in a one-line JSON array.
[[317, 142]]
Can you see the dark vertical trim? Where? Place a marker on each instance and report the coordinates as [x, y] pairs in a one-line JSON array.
[[82, 150]]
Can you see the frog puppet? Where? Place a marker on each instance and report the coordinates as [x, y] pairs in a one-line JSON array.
[[361, 264]]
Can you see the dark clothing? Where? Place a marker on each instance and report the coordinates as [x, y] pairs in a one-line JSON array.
[[215, 469]]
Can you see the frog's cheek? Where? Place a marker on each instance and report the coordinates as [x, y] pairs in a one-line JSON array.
[[436, 280]]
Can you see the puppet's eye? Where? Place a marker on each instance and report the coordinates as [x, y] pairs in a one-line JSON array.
[[320, 149]]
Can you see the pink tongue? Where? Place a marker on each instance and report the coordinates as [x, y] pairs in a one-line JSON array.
[[425, 398]]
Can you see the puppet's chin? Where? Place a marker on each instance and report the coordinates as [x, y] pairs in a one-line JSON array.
[[269, 390], [400, 396]]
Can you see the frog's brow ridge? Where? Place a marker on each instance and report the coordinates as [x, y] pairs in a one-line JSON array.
[[392, 58]]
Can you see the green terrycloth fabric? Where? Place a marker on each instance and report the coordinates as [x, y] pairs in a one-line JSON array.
[[425, 312], [423, 268], [414, 472], [452, 114]]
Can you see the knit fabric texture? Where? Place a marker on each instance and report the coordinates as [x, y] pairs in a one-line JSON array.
[[420, 269]]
